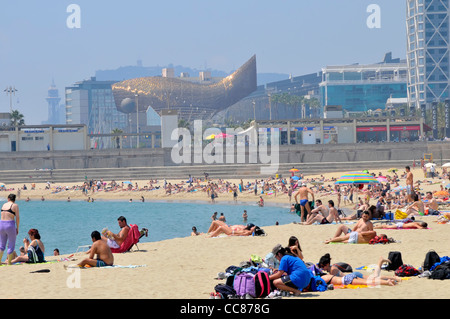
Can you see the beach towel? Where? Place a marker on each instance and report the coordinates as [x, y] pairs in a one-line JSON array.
[[132, 239], [400, 215]]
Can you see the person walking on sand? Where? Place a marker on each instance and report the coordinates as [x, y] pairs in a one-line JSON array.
[[9, 227], [302, 194]]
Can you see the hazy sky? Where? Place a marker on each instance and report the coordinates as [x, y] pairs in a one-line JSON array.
[[287, 36]]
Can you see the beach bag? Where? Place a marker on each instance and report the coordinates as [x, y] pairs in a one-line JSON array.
[[379, 240], [244, 283], [259, 232], [344, 267], [441, 271], [262, 284], [396, 260], [224, 290], [406, 271], [430, 259]]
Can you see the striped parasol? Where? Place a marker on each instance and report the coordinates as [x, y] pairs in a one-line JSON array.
[[357, 178]]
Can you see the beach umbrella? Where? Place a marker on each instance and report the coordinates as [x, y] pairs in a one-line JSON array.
[[429, 164], [295, 178], [446, 165], [128, 182], [447, 186], [357, 178], [210, 137], [398, 188], [440, 193], [393, 170], [382, 179], [293, 170]]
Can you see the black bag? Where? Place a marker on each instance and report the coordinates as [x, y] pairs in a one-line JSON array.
[[396, 260], [430, 259], [441, 272], [225, 290], [262, 284], [344, 267], [259, 232]]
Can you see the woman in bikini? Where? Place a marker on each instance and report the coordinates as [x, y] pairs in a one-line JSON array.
[[9, 227], [356, 278], [35, 249], [295, 248]]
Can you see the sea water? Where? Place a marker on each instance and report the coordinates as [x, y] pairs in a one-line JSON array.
[[68, 225]]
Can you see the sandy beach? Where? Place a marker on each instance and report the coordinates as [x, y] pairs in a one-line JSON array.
[[186, 268]]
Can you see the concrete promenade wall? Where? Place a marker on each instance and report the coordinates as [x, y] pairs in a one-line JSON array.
[[127, 158]]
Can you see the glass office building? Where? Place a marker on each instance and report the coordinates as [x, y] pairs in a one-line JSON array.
[[91, 102], [360, 88], [427, 23]]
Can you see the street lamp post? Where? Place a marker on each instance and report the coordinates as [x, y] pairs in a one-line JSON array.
[[11, 91], [137, 119]]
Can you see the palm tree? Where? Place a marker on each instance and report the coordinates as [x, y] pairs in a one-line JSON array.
[[116, 138], [183, 123], [16, 118]]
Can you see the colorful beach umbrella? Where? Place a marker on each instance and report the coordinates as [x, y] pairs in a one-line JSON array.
[[382, 179], [293, 170], [393, 170], [295, 178], [357, 178], [398, 188], [210, 137], [447, 186]]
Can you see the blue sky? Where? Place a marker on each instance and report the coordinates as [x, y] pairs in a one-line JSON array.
[[287, 36]]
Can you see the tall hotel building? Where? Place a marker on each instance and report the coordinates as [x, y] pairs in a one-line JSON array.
[[428, 48]]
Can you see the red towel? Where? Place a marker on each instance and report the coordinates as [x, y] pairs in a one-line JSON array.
[[132, 238]]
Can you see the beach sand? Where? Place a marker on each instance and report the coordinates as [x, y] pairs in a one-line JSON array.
[[186, 268]]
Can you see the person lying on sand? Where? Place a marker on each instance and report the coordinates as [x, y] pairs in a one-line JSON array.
[[235, 230], [354, 238], [364, 224], [355, 278], [402, 225]]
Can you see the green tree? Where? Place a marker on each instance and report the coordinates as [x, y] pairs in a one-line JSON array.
[[17, 118], [183, 123]]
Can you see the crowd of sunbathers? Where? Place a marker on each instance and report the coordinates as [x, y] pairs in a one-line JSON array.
[[290, 273]]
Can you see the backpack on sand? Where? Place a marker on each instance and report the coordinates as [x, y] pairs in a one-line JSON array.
[[244, 283], [262, 284], [396, 260], [431, 258]]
